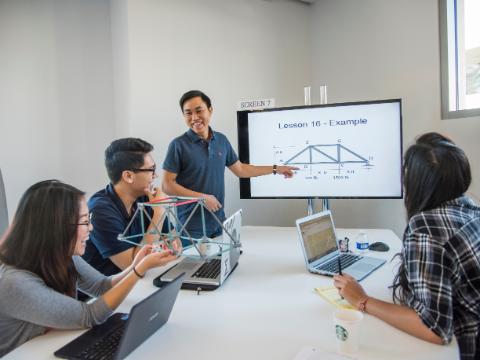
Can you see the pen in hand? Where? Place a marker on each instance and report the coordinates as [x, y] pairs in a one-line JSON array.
[[339, 268]]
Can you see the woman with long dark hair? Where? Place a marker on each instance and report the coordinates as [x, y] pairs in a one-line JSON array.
[[41, 267], [436, 292]]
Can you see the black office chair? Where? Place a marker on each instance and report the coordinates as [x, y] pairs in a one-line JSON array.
[[3, 207]]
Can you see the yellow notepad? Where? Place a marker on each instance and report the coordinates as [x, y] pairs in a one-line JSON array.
[[330, 294]]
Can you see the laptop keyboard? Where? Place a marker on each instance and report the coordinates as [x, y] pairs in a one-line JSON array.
[[209, 270], [345, 259], [104, 348]]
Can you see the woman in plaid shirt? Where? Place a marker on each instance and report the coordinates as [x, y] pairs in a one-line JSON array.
[[436, 292]]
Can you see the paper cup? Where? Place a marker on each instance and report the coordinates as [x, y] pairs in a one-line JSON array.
[[347, 331]]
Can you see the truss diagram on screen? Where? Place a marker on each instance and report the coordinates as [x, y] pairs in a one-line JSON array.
[[203, 247], [326, 154]]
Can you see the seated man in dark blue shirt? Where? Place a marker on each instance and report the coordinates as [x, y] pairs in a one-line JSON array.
[[131, 170], [195, 165]]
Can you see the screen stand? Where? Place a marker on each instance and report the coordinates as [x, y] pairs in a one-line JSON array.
[[310, 207], [308, 101], [325, 204]]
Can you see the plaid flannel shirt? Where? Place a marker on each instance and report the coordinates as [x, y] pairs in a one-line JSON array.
[[442, 261]]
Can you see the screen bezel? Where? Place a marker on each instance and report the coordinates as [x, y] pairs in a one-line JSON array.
[[244, 152]]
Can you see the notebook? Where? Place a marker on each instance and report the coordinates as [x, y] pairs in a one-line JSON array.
[[210, 273], [331, 295], [320, 249], [123, 333]]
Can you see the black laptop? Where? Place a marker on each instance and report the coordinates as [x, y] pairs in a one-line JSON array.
[[123, 333]]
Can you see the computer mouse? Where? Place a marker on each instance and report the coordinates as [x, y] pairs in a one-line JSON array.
[[379, 246]]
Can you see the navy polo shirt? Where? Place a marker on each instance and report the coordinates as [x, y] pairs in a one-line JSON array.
[[200, 166], [109, 219]]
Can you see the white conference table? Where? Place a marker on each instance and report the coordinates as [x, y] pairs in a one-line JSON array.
[[267, 309]]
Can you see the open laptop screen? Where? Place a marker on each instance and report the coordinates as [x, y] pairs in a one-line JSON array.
[[318, 236]]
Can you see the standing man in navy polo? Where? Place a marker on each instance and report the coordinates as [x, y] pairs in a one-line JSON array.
[[195, 165], [131, 170]]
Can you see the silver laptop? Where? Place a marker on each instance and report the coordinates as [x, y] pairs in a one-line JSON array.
[[209, 274], [320, 249]]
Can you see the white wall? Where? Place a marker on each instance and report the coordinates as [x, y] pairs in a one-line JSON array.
[[380, 49], [29, 115], [230, 49], [120, 65], [78, 73], [56, 101]]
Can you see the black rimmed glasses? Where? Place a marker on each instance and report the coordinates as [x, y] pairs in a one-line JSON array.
[[88, 222], [153, 169]]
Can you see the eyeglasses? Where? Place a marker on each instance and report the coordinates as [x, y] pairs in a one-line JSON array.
[[88, 222], [153, 169]]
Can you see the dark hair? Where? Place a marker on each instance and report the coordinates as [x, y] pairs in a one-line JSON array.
[[42, 236], [125, 154], [435, 170], [192, 94]]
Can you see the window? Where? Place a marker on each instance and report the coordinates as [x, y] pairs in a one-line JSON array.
[[460, 57]]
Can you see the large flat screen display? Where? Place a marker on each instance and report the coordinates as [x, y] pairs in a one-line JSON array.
[[344, 150]]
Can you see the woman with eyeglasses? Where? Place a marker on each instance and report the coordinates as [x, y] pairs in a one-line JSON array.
[[41, 267], [436, 292]]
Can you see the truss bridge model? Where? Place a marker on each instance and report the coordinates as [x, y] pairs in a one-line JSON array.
[[203, 247]]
